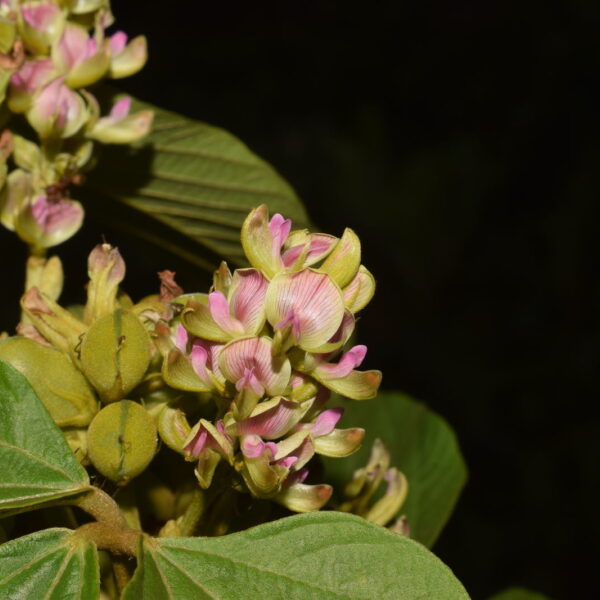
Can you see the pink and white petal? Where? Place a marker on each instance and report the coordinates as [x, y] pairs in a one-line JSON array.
[[313, 299], [280, 228], [320, 245], [257, 241], [177, 371], [220, 312], [256, 353], [298, 444], [340, 337], [197, 319], [344, 260], [247, 299], [302, 498], [325, 423], [272, 419], [347, 363], [358, 293], [181, 338], [340, 442], [358, 385]]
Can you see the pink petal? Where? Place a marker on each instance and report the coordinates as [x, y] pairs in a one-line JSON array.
[[198, 358], [74, 47], [253, 447], [54, 216], [195, 446], [120, 109], [219, 310], [280, 229], [272, 423], [181, 338], [287, 462], [349, 361], [117, 42], [310, 297], [255, 353], [327, 421], [247, 298], [249, 381], [40, 17], [291, 255], [296, 477], [32, 75]]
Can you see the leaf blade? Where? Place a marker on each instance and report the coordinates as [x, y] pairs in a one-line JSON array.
[[197, 179], [317, 555], [50, 564], [37, 464]]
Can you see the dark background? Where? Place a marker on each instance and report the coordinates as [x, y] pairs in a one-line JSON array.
[[460, 140]]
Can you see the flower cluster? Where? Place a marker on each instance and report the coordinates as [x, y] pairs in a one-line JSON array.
[[50, 51], [267, 345]]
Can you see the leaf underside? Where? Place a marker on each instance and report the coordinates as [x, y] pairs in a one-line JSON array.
[[196, 179]]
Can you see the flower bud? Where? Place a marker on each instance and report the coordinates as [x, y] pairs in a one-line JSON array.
[[343, 262], [54, 323], [40, 25], [387, 507], [27, 81], [57, 111], [120, 127], [115, 354], [126, 59], [80, 56], [106, 270], [26, 154], [60, 386], [173, 428], [122, 441]]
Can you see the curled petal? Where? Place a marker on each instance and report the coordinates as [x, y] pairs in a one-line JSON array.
[[205, 435], [205, 469], [247, 298], [301, 498], [387, 507], [299, 445], [198, 320], [173, 428], [343, 262], [304, 249], [340, 337], [255, 353], [258, 242], [347, 363], [309, 303], [129, 59], [358, 293], [339, 443], [271, 419], [219, 310], [280, 228], [324, 423], [357, 385], [178, 372]]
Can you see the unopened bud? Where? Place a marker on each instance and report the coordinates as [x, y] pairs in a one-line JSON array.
[[122, 441], [60, 386], [115, 354]]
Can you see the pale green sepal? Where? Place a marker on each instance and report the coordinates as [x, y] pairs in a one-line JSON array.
[[343, 262]]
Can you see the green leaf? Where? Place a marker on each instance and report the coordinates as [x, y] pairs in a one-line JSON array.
[[323, 555], [422, 445], [52, 564], [36, 464], [518, 593], [197, 179]]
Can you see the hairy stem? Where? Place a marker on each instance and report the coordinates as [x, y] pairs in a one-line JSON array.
[[193, 513], [101, 506]]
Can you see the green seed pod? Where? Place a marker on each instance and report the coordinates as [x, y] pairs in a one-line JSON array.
[[61, 387], [122, 441], [115, 354]]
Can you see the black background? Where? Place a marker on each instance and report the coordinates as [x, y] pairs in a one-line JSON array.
[[460, 141]]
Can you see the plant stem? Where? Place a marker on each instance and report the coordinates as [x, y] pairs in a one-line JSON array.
[[101, 506], [117, 540], [193, 513]]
